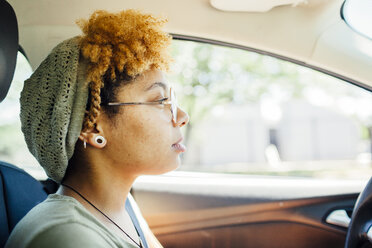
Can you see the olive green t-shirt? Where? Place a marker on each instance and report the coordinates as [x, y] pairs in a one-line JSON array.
[[61, 221]]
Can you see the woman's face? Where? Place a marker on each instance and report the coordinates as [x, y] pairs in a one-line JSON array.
[[142, 138]]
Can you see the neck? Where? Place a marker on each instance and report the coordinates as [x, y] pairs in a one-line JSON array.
[[105, 187]]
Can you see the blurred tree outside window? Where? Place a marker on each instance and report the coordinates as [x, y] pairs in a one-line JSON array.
[[256, 114]]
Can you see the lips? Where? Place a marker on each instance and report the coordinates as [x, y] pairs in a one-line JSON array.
[[178, 146], [178, 141]]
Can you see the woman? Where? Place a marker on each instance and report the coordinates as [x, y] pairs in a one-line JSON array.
[[98, 113]]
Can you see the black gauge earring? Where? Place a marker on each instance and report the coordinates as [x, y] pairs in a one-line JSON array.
[[100, 140]]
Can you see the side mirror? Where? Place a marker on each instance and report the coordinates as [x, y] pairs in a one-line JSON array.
[[357, 14]]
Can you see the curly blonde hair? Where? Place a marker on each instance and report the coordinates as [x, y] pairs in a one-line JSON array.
[[128, 42]]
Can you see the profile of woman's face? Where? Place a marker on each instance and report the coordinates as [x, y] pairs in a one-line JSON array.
[[141, 139]]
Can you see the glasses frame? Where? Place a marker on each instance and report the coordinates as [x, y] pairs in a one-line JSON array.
[[171, 100]]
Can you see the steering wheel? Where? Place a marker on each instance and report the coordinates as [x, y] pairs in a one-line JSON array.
[[359, 233]]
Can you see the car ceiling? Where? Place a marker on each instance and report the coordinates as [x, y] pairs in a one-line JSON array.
[[312, 33]]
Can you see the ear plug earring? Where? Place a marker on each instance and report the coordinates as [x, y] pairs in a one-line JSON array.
[[99, 140]]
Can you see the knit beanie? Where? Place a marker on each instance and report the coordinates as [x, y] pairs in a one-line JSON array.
[[53, 102]]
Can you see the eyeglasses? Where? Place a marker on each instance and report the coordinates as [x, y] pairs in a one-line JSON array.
[[171, 101]]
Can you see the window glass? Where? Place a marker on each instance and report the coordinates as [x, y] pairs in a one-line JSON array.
[[255, 114], [13, 148]]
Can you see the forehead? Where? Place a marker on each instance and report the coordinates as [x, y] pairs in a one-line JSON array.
[[149, 80]]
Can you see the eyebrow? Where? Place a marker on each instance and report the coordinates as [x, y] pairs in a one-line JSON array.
[[157, 84]]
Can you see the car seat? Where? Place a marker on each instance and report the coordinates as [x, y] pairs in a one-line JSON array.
[[8, 46], [19, 192]]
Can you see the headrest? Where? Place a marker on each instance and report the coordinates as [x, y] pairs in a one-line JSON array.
[[8, 46]]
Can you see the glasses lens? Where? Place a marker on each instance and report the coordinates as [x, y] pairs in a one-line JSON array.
[[174, 105]]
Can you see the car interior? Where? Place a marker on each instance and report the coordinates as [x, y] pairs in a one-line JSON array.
[[19, 191], [186, 209]]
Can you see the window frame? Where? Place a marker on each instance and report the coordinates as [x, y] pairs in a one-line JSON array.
[[263, 52]]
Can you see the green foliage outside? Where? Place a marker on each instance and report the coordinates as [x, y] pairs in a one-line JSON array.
[[207, 75]]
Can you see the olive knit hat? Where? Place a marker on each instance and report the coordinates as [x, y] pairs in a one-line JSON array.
[[53, 103]]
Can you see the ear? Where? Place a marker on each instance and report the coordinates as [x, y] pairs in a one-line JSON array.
[[94, 137]]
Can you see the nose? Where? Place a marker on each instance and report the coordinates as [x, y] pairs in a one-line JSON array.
[[182, 118]]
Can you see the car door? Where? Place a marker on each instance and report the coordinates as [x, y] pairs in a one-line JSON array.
[[276, 156]]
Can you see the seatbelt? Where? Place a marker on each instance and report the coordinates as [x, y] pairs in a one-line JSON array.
[[133, 215]]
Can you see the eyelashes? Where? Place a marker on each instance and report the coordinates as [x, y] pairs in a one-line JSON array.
[[162, 100]]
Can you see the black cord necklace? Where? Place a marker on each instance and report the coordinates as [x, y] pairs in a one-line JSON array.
[[113, 222]]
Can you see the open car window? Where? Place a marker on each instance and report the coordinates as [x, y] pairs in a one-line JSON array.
[[255, 114], [249, 114]]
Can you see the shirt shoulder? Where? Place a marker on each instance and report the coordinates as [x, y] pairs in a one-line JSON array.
[[64, 219], [70, 235]]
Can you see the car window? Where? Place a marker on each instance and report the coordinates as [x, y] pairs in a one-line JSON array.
[[256, 114], [249, 114], [13, 148]]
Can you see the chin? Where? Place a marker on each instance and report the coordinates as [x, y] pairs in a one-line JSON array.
[[161, 169]]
